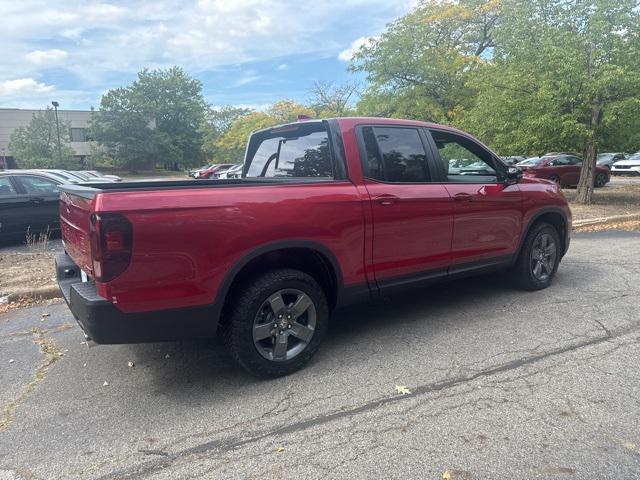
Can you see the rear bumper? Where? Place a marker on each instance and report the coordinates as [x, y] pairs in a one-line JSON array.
[[103, 323]]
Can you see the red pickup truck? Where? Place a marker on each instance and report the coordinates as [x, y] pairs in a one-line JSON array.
[[327, 213]]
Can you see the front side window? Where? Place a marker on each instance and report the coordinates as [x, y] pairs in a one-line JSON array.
[[395, 155], [464, 161], [290, 151], [37, 185], [6, 189]]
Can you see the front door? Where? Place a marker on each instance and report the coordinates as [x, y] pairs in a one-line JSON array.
[[488, 216], [43, 201], [412, 216]]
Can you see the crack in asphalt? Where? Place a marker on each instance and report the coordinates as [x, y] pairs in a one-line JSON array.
[[224, 445]]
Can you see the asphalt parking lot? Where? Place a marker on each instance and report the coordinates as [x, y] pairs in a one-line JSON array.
[[504, 384]]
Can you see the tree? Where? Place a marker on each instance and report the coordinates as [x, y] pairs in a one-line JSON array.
[[36, 145], [216, 124], [157, 119], [564, 74], [329, 100], [230, 147], [418, 68]]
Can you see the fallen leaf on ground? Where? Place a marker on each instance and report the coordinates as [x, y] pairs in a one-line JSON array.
[[105, 384], [630, 446], [280, 449], [46, 315], [11, 360], [130, 364], [402, 390], [446, 475]]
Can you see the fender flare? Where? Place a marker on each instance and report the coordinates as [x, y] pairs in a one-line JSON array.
[[237, 267], [535, 218]]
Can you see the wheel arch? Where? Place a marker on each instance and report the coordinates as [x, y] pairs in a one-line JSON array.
[[308, 256], [553, 216]]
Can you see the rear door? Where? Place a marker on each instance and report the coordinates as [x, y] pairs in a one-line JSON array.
[[12, 209], [487, 216], [412, 215], [42, 199], [572, 177]]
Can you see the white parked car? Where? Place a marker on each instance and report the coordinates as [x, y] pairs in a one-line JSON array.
[[630, 167]]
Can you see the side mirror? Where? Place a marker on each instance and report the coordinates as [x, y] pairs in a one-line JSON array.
[[514, 174]]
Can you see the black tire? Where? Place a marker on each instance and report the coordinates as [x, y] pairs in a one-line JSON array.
[[523, 273], [600, 180], [250, 303]]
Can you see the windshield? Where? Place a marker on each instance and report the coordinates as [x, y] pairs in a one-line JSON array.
[[635, 156], [605, 156], [290, 151]]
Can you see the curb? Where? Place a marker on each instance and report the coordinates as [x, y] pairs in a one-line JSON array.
[[606, 220], [41, 293]]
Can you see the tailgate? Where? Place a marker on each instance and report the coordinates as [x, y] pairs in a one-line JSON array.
[[75, 212]]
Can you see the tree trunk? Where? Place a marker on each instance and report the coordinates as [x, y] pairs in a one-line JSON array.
[[589, 159]]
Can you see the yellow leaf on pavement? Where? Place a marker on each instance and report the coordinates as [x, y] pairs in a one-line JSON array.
[[402, 390]]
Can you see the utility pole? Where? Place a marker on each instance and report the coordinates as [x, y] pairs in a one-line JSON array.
[[55, 107]]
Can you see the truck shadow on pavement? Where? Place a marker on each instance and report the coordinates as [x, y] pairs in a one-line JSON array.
[[357, 331]]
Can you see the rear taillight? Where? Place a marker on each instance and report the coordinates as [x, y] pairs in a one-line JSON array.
[[110, 245]]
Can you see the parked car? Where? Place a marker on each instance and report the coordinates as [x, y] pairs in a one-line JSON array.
[[630, 167], [233, 172], [328, 213], [213, 170], [512, 160], [564, 170], [192, 173], [608, 159], [28, 202], [528, 161], [96, 174]]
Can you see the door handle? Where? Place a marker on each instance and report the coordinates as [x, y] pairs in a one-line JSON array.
[[462, 197], [36, 200], [386, 199]]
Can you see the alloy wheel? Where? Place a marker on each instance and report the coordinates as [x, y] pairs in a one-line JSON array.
[[543, 256], [284, 325]]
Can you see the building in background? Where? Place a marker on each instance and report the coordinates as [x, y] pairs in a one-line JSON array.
[[12, 118]]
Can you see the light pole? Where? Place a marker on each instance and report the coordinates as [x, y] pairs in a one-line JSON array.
[[55, 107]]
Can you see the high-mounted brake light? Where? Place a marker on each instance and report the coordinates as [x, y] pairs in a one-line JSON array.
[[111, 240]]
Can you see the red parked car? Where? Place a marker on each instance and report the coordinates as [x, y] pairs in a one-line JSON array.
[[213, 170], [327, 213], [563, 169]]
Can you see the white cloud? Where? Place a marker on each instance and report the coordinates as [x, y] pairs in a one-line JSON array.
[[23, 87], [347, 54], [283, 66], [46, 57]]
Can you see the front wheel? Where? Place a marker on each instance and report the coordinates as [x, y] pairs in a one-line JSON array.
[[539, 258], [277, 323], [601, 180]]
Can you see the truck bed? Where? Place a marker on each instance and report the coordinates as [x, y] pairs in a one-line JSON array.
[[89, 190]]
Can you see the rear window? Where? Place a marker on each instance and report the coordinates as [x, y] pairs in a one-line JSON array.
[[290, 151]]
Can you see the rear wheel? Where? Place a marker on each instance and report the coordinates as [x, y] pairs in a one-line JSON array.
[[277, 323], [539, 258], [601, 180]]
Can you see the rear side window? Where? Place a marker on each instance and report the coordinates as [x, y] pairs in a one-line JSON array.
[[6, 188], [290, 151], [395, 155], [37, 185]]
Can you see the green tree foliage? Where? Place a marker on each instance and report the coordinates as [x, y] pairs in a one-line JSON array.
[[230, 147], [565, 75], [155, 120], [526, 76], [36, 145], [419, 67], [215, 125]]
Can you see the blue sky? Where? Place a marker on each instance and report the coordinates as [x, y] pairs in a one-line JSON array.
[[245, 52]]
